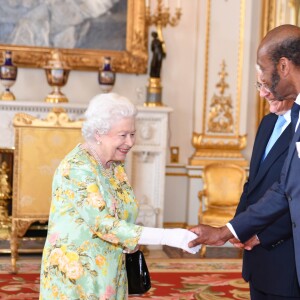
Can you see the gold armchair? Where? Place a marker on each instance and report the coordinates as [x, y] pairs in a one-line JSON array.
[[39, 147], [222, 188]]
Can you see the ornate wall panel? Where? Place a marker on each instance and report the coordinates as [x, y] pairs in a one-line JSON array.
[[220, 138]]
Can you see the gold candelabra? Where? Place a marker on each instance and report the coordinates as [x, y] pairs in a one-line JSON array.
[[161, 17]]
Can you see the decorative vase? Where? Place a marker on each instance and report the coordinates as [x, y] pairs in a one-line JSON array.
[[106, 77], [57, 72], [8, 76]]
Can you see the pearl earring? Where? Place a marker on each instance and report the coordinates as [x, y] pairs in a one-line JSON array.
[[98, 143]]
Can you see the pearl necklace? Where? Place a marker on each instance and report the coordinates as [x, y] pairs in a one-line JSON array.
[[107, 172]]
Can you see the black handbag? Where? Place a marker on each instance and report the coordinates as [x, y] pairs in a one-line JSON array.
[[138, 276]]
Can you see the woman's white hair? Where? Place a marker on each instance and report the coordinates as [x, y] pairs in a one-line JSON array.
[[103, 111]]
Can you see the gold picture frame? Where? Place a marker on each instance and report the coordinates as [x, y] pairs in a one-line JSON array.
[[132, 60]]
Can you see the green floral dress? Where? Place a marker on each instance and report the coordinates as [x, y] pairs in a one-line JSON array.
[[91, 222]]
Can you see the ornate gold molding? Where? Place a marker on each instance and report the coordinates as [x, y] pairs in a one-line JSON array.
[[176, 174], [220, 139], [57, 117], [211, 148], [220, 117]]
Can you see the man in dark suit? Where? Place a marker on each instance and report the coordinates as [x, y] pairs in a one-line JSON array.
[[276, 275], [278, 59]]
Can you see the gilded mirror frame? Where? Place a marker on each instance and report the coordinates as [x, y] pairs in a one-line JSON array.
[[132, 60]]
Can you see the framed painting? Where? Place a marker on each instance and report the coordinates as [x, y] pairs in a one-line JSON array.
[[85, 31]]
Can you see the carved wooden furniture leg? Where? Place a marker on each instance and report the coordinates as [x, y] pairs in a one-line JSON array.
[[203, 251], [19, 228]]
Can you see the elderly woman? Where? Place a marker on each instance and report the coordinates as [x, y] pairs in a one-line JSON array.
[[93, 211]]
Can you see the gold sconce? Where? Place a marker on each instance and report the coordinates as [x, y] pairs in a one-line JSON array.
[[161, 18]]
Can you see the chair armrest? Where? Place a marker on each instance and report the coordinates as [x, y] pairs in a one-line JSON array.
[[201, 195]]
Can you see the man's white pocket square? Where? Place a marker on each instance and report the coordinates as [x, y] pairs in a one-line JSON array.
[[298, 148]]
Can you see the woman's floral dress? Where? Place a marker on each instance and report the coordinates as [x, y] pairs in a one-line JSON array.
[[91, 222]]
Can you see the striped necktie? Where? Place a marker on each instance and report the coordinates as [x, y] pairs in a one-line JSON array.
[[275, 134]]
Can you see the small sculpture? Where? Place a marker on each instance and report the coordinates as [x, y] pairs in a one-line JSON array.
[[158, 56], [5, 188], [5, 194]]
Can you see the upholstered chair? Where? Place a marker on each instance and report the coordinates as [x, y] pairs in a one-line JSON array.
[[222, 188], [40, 145]]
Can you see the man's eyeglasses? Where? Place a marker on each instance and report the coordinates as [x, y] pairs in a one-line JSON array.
[[259, 86]]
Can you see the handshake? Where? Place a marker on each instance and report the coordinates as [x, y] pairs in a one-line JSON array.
[[191, 240], [177, 237], [218, 236]]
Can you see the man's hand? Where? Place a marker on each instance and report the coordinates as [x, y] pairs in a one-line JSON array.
[[249, 245], [237, 243], [212, 236]]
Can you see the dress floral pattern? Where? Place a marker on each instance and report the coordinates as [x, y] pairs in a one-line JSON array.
[[91, 222]]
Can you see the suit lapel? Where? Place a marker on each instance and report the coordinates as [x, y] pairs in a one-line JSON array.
[[260, 144], [292, 148], [279, 147]]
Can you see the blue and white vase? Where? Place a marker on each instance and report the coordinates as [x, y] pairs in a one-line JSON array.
[[8, 76], [106, 76]]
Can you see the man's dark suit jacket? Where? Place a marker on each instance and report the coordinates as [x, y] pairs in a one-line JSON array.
[[270, 266], [282, 197]]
